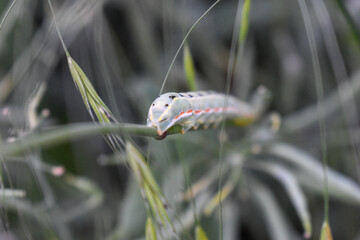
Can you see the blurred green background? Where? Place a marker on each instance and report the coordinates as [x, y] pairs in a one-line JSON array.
[[125, 48]]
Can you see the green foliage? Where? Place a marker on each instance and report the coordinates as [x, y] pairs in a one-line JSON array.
[[189, 68], [148, 186], [200, 233], [150, 230], [244, 21], [271, 173], [326, 232]]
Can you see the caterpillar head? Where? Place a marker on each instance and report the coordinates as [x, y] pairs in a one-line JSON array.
[[161, 112]]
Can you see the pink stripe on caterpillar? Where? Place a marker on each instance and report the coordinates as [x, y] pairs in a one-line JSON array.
[[193, 108]]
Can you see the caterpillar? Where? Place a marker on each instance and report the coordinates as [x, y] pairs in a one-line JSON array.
[[192, 109]]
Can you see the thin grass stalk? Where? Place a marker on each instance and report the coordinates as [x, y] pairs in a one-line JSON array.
[[229, 74], [320, 95], [183, 42], [61, 134], [338, 66], [7, 13], [187, 178]]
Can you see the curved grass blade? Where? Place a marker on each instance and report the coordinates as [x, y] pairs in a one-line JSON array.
[[349, 109], [291, 185], [183, 42], [276, 222], [7, 13], [309, 172]]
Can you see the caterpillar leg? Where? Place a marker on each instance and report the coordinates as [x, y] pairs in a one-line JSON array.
[[186, 126], [162, 128], [209, 121], [198, 122], [217, 121]]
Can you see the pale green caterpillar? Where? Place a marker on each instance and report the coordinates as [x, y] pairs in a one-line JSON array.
[[192, 109]]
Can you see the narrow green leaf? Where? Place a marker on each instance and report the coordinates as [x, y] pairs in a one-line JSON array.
[[150, 230], [244, 21], [200, 233], [189, 68]]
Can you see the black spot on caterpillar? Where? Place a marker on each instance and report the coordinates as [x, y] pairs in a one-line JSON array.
[[197, 108]]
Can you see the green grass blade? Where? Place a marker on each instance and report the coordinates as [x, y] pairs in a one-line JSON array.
[[244, 21], [326, 232], [150, 230], [200, 233], [189, 68]]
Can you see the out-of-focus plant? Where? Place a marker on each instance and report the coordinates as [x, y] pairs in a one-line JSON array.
[[52, 187]]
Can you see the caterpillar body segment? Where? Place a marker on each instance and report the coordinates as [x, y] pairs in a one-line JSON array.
[[192, 109]]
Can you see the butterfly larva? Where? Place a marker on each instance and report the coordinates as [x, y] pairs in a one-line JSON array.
[[191, 109]]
